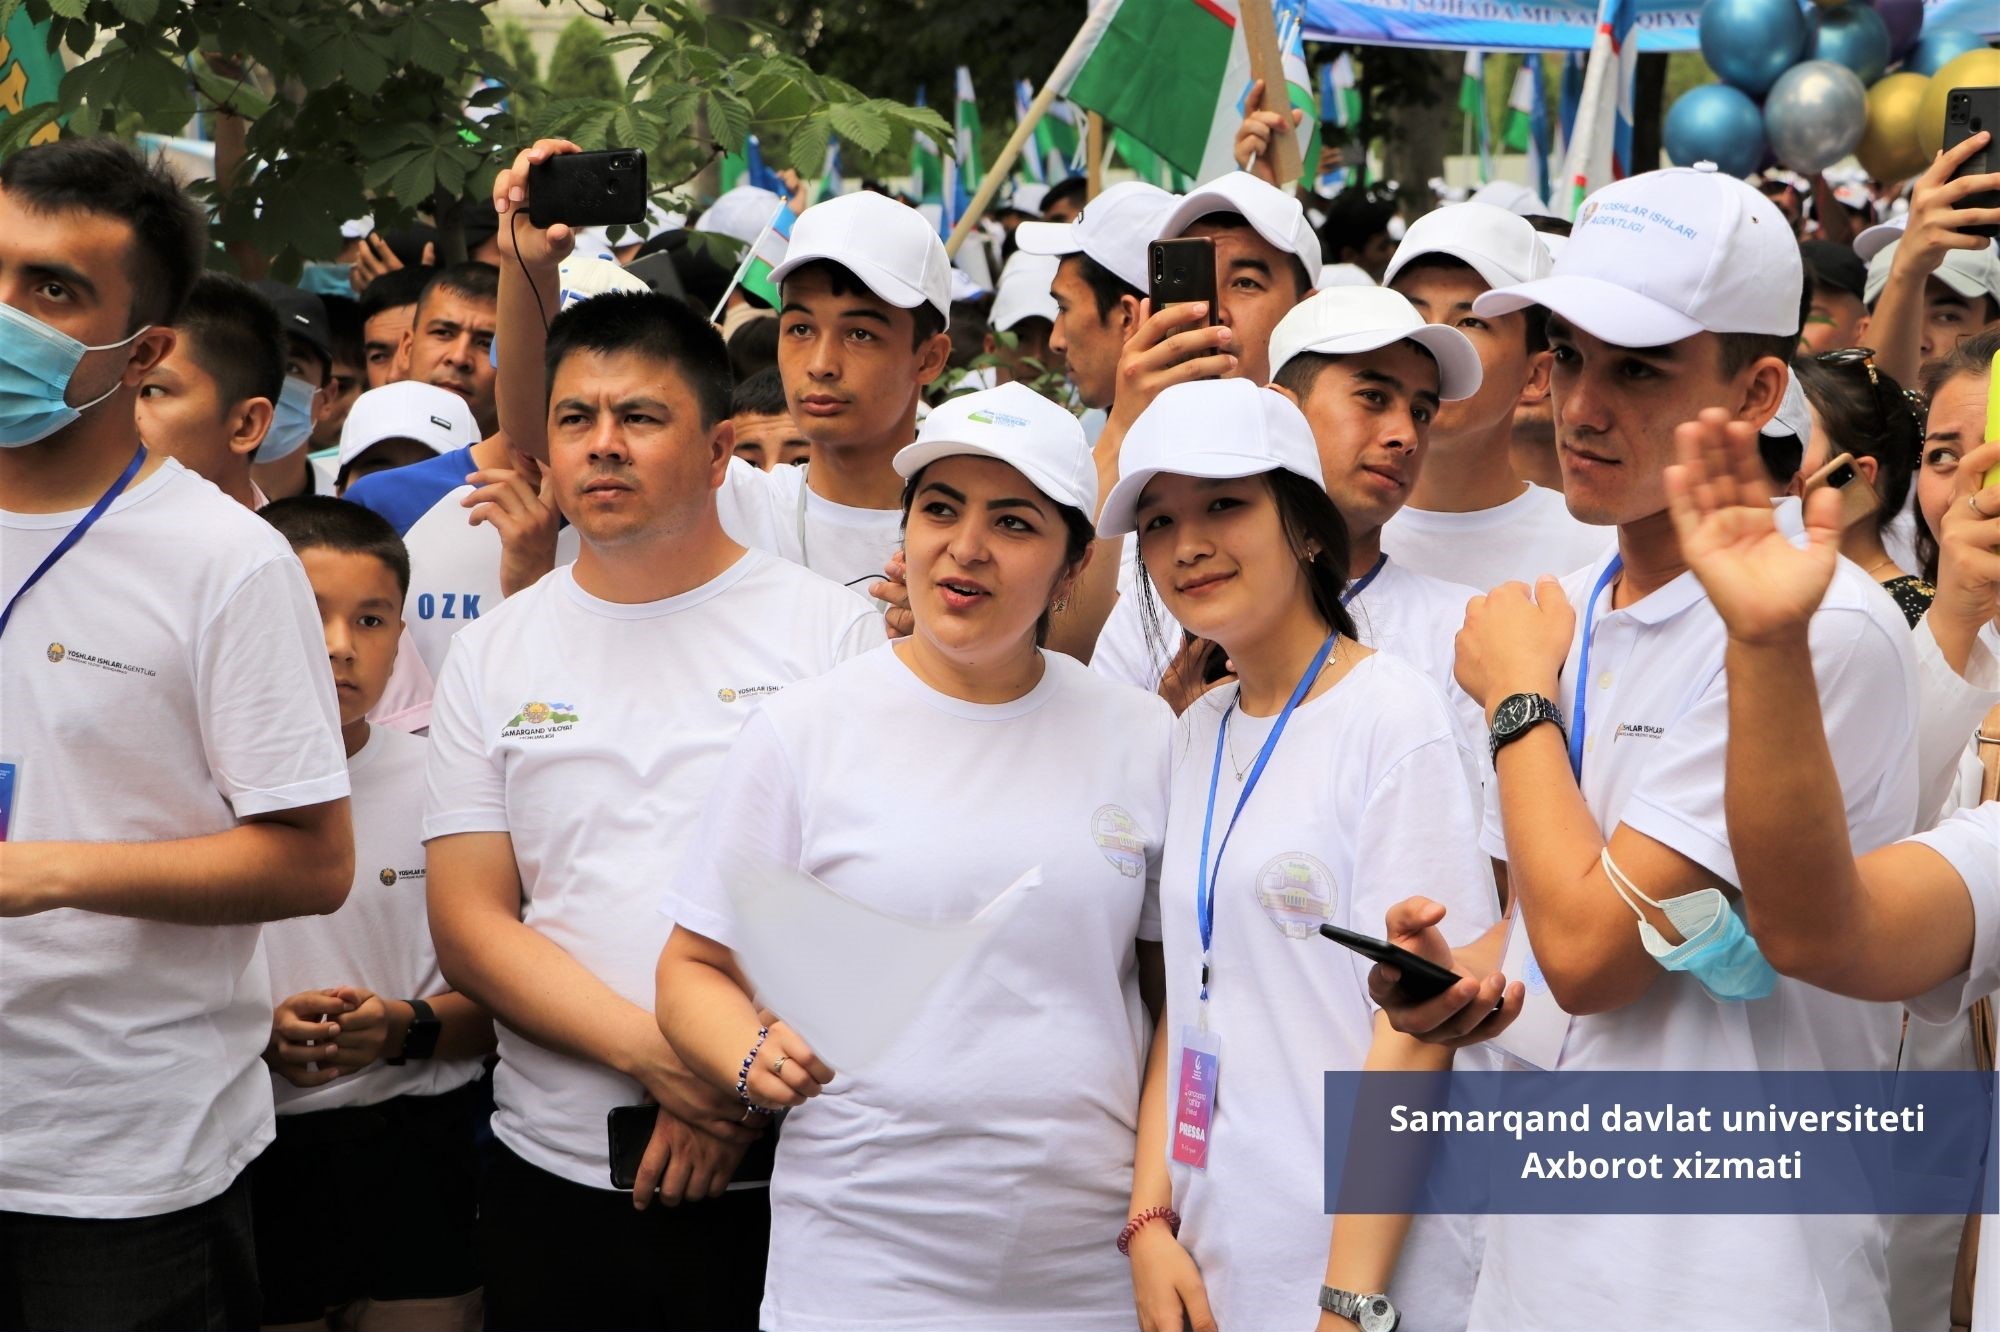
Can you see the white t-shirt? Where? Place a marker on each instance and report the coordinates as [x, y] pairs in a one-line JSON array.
[[1654, 760], [380, 939], [777, 512], [1519, 541], [455, 574], [591, 731], [1356, 811], [976, 1177], [164, 680]]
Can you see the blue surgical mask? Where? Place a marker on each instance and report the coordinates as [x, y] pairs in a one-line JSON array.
[[325, 279], [36, 362], [1715, 948], [291, 421]]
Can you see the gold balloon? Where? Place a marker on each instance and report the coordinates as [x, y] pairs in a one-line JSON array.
[[1889, 150], [1974, 69]]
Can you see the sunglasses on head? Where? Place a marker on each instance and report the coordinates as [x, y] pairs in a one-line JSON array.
[[1864, 358]]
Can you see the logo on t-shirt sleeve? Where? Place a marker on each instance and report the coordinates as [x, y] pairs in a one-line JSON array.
[[536, 720]]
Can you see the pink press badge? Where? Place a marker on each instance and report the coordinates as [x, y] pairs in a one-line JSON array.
[[1194, 1106]]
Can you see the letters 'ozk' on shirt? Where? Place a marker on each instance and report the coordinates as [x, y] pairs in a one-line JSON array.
[[1516, 542], [165, 680], [1363, 801], [971, 1177], [1654, 761], [380, 939], [591, 731]]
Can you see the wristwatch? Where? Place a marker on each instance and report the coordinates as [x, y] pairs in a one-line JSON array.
[[421, 1040], [1370, 1313], [1517, 715]]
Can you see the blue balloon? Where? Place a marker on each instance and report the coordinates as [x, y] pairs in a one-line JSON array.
[[1938, 47], [1749, 43], [1853, 35], [1716, 123]]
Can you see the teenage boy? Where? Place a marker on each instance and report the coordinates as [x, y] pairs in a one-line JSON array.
[[400, 425], [174, 778], [209, 402], [1678, 295], [312, 473], [766, 434], [575, 732], [1470, 519], [450, 339], [372, 1058]]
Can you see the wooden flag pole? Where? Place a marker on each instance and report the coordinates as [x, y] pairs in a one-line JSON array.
[[1267, 62], [1095, 148]]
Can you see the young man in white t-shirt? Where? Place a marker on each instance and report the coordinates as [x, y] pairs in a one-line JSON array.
[[373, 1060], [1470, 519], [209, 404], [172, 778], [575, 733], [1678, 293]]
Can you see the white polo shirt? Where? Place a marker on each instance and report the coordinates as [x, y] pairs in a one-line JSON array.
[[1519, 541], [1654, 761], [776, 511], [591, 732]]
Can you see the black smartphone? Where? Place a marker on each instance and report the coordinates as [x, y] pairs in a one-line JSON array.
[[630, 1128], [1182, 270], [1421, 979], [1966, 112], [588, 189]]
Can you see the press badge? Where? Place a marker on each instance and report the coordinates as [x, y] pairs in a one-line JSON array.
[[1194, 1111], [10, 786]]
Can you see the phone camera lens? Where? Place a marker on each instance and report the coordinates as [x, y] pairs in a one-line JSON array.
[[621, 164], [611, 187]]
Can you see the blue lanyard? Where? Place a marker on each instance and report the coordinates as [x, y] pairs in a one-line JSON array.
[[1579, 718], [1360, 585], [75, 534], [1204, 900]]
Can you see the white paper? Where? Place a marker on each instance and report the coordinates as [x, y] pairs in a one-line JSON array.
[[1536, 1036], [847, 977]]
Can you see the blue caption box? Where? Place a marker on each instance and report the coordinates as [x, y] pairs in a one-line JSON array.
[[1660, 1143]]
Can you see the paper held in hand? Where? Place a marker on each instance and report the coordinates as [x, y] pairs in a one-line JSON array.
[[847, 977]]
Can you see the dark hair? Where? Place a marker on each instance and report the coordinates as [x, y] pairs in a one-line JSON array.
[[1309, 518], [1106, 287], [1867, 414], [1078, 531], [1970, 356], [1298, 375], [1535, 324], [652, 325], [394, 289], [321, 522], [1353, 218], [840, 280], [234, 335], [343, 329], [1301, 280], [968, 330], [1741, 350], [753, 347], [475, 281], [101, 175], [1550, 226], [1069, 187], [762, 394]]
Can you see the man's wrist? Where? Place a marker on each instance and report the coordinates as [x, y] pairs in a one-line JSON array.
[[1501, 693]]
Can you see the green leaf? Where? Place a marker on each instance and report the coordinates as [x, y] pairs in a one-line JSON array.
[[860, 124], [728, 118], [69, 9], [806, 145], [141, 12]]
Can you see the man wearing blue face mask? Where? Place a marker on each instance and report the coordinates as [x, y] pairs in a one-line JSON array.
[[171, 775]]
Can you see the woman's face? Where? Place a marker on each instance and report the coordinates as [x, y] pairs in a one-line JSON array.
[[1956, 426], [1218, 555], [985, 553]]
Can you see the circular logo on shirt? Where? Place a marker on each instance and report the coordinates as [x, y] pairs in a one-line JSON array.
[[57, 652], [1117, 835], [726, 695], [536, 714], [388, 878], [1532, 977], [1297, 893]]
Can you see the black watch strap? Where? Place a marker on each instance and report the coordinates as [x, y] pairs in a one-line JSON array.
[[420, 1041], [1517, 715]]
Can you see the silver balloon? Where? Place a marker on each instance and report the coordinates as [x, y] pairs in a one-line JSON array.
[[1815, 115]]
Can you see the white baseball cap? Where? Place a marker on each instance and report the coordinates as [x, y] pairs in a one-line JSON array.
[[1026, 199], [1344, 275], [741, 214], [582, 276], [1211, 428], [1114, 229], [436, 418], [1873, 239], [1513, 196], [1275, 214], [1024, 290], [1344, 320], [964, 286], [1498, 245], [1669, 254], [1019, 427], [1794, 418], [886, 244], [1970, 273]]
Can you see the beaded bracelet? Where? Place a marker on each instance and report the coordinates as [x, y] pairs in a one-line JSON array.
[[1172, 1218], [743, 1074]]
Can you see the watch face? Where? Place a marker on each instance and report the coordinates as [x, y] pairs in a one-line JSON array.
[[1378, 1315], [1512, 714]]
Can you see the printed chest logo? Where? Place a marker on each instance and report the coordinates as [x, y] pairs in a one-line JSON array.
[[59, 654], [1117, 835], [747, 693], [448, 605], [537, 721], [390, 877], [1637, 731], [1297, 893]]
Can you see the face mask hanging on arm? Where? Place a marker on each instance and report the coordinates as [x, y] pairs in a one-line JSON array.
[[291, 421], [1715, 948], [36, 363]]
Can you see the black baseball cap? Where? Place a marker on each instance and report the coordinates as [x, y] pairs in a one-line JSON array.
[[301, 312], [1829, 264]]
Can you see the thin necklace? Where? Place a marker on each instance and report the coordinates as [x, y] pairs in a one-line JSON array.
[[1887, 562], [1229, 732]]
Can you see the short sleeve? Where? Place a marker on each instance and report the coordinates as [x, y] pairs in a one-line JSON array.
[[270, 725], [866, 632], [465, 788], [1492, 828], [1970, 844], [1949, 709], [752, 814], [1162, 717]]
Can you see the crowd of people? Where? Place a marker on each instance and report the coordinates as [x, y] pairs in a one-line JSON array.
[[1605, 612]]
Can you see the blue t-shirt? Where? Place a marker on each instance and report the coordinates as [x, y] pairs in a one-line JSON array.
[[405, 494]]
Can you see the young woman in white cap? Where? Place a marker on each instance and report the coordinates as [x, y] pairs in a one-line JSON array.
[[976, 1175], [1315, 789]]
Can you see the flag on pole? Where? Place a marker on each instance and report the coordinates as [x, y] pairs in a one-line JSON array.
[[760, 259], [748, 168], [830, 182], [965, 125], [1517, 132], [1601, 149], [926, 164], [1339, 94], [1056, 140], [1570, 93], [1472, 101], [1188, 109], [1030, 167], [1539, 145]]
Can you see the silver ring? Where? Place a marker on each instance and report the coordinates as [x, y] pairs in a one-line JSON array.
[[778, 1065], [1972, 502]]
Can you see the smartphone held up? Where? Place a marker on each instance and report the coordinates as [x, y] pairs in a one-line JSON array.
[[1967, 111], [596, 189]]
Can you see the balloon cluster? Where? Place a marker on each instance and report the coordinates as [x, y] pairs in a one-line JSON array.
[[1806, 87]]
